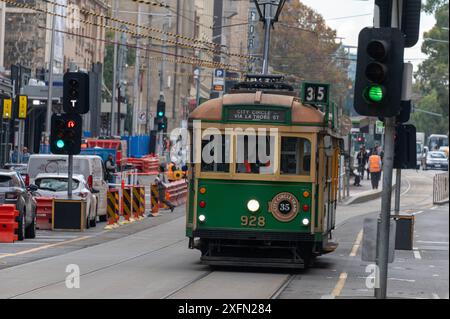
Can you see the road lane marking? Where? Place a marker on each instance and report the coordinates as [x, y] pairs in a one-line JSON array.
[[433, 242], [409, 187], [419, 212], [434, 207], [400, 279], [417, 253], [340, 285], [435, 296], [357, 244], [24, 252]]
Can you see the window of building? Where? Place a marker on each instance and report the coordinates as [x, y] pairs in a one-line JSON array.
[[295, 156]]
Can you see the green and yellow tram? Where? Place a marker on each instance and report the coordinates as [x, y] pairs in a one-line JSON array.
[[277, 210]]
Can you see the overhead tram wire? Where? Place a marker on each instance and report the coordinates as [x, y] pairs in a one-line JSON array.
[[134, 24], [181, 44], [193, 61]]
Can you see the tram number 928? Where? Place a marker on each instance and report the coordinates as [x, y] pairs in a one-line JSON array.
[[253, 221]]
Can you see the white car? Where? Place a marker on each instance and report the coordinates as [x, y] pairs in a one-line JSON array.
[[56, 185]]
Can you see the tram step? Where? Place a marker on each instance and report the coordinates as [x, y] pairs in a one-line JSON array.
[[330, 247]]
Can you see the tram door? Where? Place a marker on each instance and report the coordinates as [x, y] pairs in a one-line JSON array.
[[329, 181]]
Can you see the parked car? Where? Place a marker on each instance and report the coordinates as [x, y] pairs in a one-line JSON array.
[[90, 166], [436, 160], [13, 191], [56, 186], [20, 168]]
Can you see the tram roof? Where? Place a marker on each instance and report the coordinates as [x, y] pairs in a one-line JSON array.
[[212, 110]]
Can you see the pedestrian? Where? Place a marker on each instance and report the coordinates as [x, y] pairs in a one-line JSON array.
[[161, 181], [362, 160], [25, 155], [15, 155], [375, 167], [110, 168]]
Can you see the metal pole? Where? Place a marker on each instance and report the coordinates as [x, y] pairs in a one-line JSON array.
[[398, 186], [174, 98], [50, 77], [2, 33], [114, 84], [70, 173], [149, 83], [385, 215], [137, 63], [268, 24], [118, 110]]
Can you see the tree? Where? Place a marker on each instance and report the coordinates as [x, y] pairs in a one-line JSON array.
[[304, 49], [432, 76]]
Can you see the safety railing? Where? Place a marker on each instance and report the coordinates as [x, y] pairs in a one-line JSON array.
[[440, 188]]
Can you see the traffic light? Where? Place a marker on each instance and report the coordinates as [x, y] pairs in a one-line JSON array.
[[162, 124], [76, 92], [379, 72], [66, 133], [405, 153], [160, 109]]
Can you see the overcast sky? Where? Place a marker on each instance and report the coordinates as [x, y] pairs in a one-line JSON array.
[[338, 15]]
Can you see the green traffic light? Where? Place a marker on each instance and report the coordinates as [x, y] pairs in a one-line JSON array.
[[60, 144], [160, 114], [375, 93]]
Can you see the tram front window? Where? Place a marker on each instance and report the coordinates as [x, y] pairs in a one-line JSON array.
[[295, 156], [255, 154], [216, 153]]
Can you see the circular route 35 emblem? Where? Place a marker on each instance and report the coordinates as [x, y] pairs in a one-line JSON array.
[[284, 207]]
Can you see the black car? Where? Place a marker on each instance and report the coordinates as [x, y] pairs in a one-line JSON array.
[[13, 191]]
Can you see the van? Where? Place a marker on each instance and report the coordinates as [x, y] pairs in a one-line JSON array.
[[90, 166]]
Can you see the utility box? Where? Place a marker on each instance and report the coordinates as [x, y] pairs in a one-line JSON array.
[[404, 238], [369, 244], [69, 215]]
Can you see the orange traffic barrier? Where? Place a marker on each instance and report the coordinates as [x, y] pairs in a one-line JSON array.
[[178, 192], [44, 213], [8, 224]]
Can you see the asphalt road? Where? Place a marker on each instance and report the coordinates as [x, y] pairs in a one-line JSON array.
[[151, 260]]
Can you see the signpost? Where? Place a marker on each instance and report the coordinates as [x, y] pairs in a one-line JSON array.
[[219, 80]]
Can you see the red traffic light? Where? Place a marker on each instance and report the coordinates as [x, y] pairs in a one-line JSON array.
[[71, 124]]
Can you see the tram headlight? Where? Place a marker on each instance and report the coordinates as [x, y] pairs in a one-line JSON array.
[[305, 221], [202, 218], [253, 205]]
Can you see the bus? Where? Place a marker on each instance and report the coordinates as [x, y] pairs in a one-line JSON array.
[[263, 178]]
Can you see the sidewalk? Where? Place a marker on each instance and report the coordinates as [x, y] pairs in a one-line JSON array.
[[363, 193]]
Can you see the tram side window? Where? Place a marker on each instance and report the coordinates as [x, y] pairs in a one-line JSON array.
[[216, 154], [295, 156], [255, 154]]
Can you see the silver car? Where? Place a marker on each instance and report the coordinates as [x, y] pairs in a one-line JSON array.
[[435, 160], [13, 191]]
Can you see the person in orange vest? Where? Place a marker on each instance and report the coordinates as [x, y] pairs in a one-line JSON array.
[[375, 166]]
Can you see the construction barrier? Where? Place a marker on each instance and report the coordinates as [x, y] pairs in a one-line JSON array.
[[138, 202], [8, 224], [177, 192], [440, 188], [142, 201], [127, 205], [113, 209], [154, 200], [44, 213]]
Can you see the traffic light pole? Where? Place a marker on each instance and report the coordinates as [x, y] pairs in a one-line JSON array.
[[385, 216], [70, 173], [398, 186]]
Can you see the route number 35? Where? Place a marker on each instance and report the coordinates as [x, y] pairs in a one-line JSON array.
[[315, 93]]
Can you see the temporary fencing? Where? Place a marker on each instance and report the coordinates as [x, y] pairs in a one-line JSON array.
[[8, 223], [440, 188]]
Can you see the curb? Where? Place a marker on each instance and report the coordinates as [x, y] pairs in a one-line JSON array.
[[442, 202], [363, 197]]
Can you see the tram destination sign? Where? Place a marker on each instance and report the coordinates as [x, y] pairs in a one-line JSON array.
[[244, 114], [315, 93]]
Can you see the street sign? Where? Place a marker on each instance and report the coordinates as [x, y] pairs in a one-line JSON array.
[[219, 80], [7, 108], [23, 105], [379, 127], [142, 117], [315, 93]]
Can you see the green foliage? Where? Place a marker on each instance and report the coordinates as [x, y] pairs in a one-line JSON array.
[[304, 49], [432, 76]]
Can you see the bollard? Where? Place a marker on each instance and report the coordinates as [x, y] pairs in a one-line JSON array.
[[136, 202], [127, 206], [112, 209], [155, 200], [117, 215], [142, 202]]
